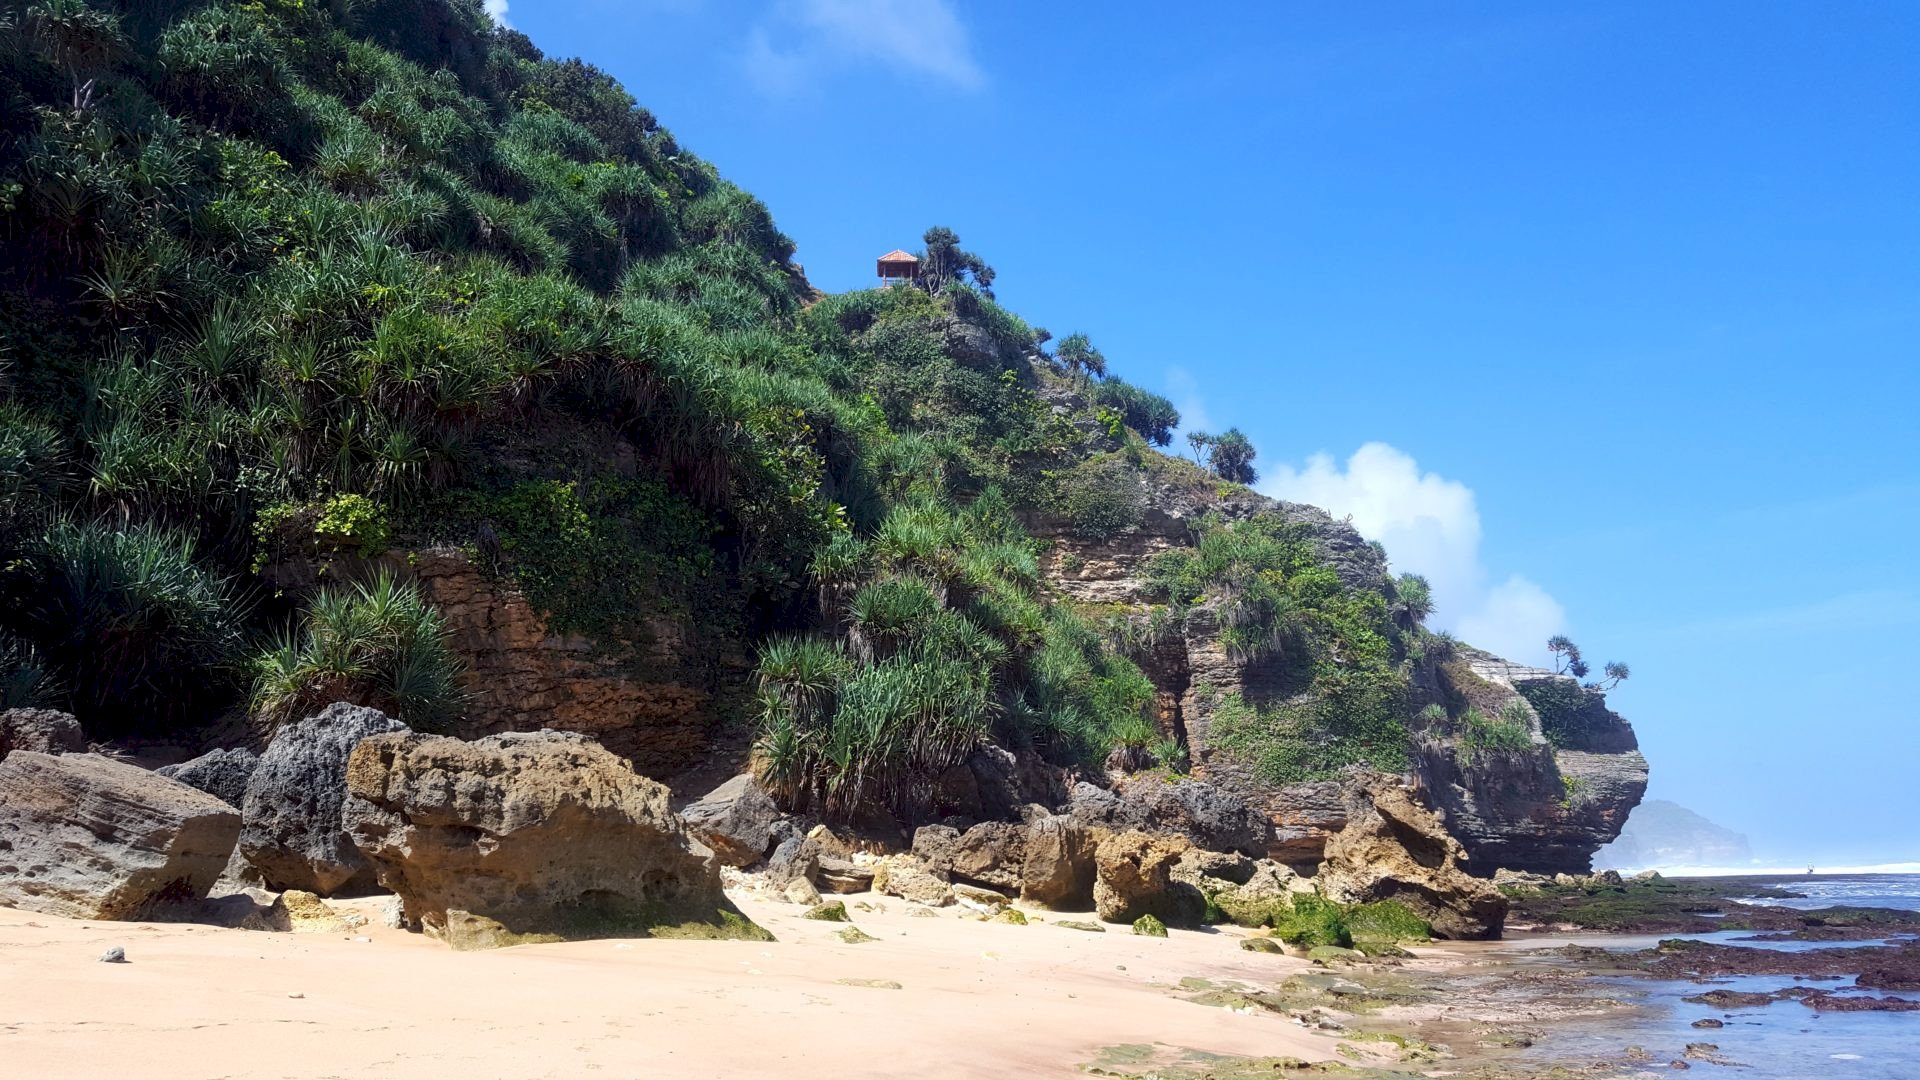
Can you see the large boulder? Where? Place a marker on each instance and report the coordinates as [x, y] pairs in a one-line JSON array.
[[530, 837], [1059, 868], [737, 820], [43, 731], [1208, 816], [292, 832], [1238, 889], [1134, 877], [222, 774], [1393, 848], [87, 837]]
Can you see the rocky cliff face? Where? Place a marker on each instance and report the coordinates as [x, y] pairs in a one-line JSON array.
[[653, 703], [1545, 809]]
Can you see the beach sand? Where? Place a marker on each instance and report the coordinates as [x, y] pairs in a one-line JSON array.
[[976, 1000]]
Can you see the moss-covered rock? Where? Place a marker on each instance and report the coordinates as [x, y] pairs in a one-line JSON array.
[[853, 935], [1260, 945], [831, 911], [1148, 926]]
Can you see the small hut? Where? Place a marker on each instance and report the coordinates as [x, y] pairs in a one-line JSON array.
[[897, 267]]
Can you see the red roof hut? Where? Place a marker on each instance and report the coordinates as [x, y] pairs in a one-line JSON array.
[[897, 266]]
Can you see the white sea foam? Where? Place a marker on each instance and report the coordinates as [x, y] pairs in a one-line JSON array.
[[1753, 871]]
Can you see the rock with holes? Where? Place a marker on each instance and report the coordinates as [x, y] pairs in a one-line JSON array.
[[1393, 848], [87, 837], [222, 774], [535, 836], [43, 731], [292, 832], [1135, 878]]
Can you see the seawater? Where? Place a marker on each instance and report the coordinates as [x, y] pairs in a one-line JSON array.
[[1782, 1041]]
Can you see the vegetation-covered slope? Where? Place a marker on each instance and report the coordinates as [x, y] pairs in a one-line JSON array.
[[284, 281]]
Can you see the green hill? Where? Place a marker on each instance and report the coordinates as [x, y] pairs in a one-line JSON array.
[[292, 292]]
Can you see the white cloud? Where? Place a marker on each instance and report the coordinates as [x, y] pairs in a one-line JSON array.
[[496, 10], [1430, 526], [913, 37]]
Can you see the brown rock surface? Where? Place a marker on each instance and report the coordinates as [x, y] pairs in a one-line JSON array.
[[547, 834], [737, 820], [1135, 878], [524, 677], [1393, 848], [1059, 868], [90, 838]]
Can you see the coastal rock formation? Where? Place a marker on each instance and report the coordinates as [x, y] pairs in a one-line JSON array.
[[654, 708], [222, 774], [1395, 849], [1059, 866], [1203, 813], [529, 836], [1546, 809], [43, 731], [1135, 877], [737, 820], [86, 837], [293, 833]]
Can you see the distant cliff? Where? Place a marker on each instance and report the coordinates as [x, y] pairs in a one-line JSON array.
[[1666, 834]]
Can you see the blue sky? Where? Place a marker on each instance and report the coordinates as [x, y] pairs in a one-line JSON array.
[[1606, 316]]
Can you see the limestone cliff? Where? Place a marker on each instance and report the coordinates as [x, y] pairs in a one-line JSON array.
[[1546, 808]]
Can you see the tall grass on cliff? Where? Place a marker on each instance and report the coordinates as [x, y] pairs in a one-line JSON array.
[[1340, 659], [938, 642], [376, 643]]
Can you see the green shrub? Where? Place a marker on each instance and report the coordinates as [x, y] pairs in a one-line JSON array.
[[136, 629], [1101, 498], [377, 643], [1153, 416], [1507, 733]]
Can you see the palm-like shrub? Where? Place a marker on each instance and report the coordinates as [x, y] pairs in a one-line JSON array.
[[128, 620], [377, 643]]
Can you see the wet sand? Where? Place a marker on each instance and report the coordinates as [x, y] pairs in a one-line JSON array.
[[976, 1000]]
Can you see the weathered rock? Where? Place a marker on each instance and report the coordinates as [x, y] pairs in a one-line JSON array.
[[977, 897], [934, 846], [853, 935], [243, 909], [43, 731], [1148, 926], [222, 774], [86, 837], [1214, 819], [1004, 781], [115, 955], [992, 853], [1246, 892], [1135, 878], [1395, 849], [908, 879], [1520, 880], [736, 820], [1549, 807], [801, 891], [1059, 868], [831, 911], [794, 858], [308, 914], [649, 700], [837, 875], [1261, 945], [547, 834], [292, 831]]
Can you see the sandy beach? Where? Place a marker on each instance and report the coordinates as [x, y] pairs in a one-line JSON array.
[[975, 1000]]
